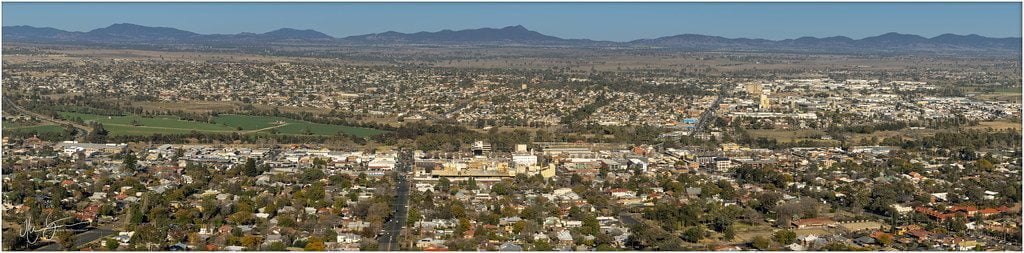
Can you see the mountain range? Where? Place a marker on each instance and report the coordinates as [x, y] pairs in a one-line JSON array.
[[131, 34]]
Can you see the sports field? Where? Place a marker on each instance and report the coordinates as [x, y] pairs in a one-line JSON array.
[[244, 124]]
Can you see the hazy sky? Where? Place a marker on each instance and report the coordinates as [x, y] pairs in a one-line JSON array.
[[601, 21]]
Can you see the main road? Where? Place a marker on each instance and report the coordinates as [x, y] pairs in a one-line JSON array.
[[81, 239], [390, 238], [706, 116]]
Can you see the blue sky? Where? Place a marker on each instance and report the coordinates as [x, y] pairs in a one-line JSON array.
[[601, 21]]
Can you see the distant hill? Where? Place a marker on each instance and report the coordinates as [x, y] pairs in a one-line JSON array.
[[288, 33], [131, 34], [138, 34], [511, 34], [29, 33], [895, 42]]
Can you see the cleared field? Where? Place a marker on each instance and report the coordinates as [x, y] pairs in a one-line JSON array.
[[1007, 97], [789, 135], [749, 235], [139, 125], [858, 226], [997, 125], [811, 231]]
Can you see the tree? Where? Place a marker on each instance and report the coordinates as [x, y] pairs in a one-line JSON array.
[[542, 245], [277, 246], [761, 243], [956, 224], [606, 247], [66, 239], [98, 134], [414, 216], [784, 237], [315, 195], [112, 244], [462, 227], [129, 161], [729, 234], [315, 244], [984, 164], [240, 217], [694, 234], [590, 225], [672, 244], [249, 169], [443, 185], [252, 242]]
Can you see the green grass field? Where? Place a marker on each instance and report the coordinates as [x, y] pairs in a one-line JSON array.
[[1008, 90], [139, 125], [247, 122], [289, 126], [125, 125], [16, 127], [11, 125]]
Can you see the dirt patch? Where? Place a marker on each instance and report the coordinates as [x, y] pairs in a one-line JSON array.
[[997, 125]]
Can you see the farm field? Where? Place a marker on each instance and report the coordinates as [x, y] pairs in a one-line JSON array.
[[140, 125]]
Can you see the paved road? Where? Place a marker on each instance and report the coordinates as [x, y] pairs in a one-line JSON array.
[[390, 238], [81, 239], [629, 219], [706, 116]]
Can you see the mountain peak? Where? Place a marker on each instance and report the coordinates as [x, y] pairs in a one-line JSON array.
[[133, 31], [513, 34], [893, 35], [124, 25], [515, 28], [291, 33]]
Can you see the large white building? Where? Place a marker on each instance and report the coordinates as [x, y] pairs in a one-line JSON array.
[[381, 163], [524, 159]]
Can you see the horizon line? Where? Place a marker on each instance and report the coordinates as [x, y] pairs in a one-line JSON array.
[[519, 25]]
